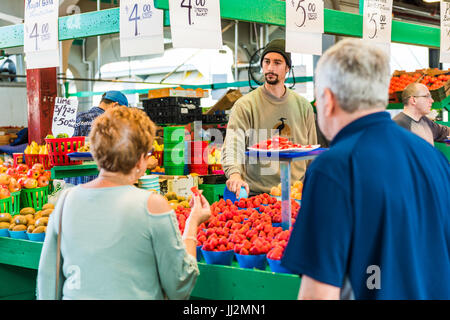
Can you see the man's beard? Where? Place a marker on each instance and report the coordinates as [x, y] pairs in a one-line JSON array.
[[272, 82]]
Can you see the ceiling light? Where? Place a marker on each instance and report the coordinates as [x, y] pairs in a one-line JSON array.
[[431, 1]]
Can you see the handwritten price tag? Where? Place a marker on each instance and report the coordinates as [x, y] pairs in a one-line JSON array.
[[445, 32], [377, 20], [64, 116], [195, 24], [141, 28], [41, 33], [304, 26]]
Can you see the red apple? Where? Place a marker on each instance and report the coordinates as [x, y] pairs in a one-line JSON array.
[[14, 186], [39, 167], [42, 181], [33, 174], [4, 179], [47, 174], [22, 168], [21, 181], [12, 173], [4, 193], [30, 183]]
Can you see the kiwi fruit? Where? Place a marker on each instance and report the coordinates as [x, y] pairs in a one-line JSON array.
[[5, 217], [41, 222], [4, 225], [11, 226], [19, 227], [27, 210], [46, 212], [20, 220], [40, 229], [31, 228], [48, 206]]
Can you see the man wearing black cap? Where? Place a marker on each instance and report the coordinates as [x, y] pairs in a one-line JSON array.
[[272, 109], [109, 100]]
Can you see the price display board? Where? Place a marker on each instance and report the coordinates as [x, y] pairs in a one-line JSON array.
[[41, 33], [445, 32], [304, 26], [141, 28], [377, 22], [195, 24], [64, 116]]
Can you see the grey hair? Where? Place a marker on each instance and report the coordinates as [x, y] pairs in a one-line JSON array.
[[357, 73]]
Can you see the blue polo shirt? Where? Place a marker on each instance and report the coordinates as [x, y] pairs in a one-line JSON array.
[[384, 227]]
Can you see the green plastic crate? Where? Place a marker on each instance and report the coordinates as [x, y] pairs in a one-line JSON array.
[[35, 198], [212, 192], [6, 205], [174, 170], [15, 202]]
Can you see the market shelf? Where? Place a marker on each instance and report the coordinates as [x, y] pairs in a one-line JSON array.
[[89, 168], [272, 12], [19, 262]]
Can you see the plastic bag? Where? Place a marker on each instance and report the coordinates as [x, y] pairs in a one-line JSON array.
[[58, 187]]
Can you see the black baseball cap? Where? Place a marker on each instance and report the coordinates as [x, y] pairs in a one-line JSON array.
[[278, 46]]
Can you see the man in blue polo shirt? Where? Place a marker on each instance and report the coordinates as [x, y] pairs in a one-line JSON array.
[[110, 99], [384, 230]]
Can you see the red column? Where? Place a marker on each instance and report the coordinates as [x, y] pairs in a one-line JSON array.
[[41, 94]]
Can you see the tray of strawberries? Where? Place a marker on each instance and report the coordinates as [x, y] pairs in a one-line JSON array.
[[281, 144]]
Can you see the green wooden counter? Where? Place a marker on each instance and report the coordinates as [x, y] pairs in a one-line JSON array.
[[19, 261]]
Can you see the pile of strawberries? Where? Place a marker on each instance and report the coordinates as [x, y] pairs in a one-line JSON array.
[[244, 226], [278, 143]]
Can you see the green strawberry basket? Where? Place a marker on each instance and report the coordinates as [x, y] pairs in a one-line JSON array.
[[35, 198]]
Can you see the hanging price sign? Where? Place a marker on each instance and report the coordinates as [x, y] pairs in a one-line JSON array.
[[64, 116], [377, 20], [304, 26], [41, 33], [195, 24], [141, 28], [445, 32]]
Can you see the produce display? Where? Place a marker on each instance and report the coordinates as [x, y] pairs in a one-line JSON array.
[[278, 143], [296, 190], [15, 178], [27, 220], [85, 148], [245, 227], [34, 148]]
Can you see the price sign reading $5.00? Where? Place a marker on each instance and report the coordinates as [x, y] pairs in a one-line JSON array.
[[64, 116], [305, 15], [445, 32], [195, 23], [377, 20], [41, 25], [141, 28]]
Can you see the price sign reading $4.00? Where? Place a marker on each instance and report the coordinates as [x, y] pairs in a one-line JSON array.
[[41, 25], [141, 28], [195, 24], [377, 20]]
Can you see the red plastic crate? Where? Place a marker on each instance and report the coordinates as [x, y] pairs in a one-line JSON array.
[[18, 158], [58, 149], [31, 159], [198, 168], [45, 160]]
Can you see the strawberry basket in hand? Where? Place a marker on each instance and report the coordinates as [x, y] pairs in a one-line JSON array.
[[59, 148]]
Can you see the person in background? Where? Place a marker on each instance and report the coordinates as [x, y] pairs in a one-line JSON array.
[[384, 230], [417, 102], [271, 109], [118, 241], [84, 120]]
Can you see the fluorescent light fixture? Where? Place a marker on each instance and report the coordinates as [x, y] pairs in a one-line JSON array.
[[431, 1]]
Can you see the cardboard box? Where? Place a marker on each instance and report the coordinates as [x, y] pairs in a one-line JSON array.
[[181, 185], [226, 102], [177, 92]]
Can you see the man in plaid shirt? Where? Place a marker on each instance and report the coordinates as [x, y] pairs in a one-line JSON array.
[[110, 99]]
